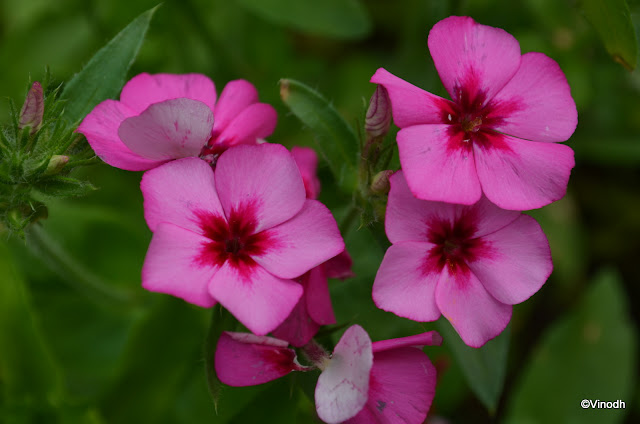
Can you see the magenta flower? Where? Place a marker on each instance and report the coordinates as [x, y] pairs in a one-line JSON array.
[[164, 117], [468, 263], [237, 235], [498, 136], [387, 382]]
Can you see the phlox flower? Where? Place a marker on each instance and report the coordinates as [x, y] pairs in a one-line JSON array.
[[165, 116], [238, 235], [387, 382], [468, 263], [498, 134]]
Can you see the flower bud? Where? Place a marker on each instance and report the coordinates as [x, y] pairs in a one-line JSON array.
[[378, 118], [33, 109], [380, 183], [56, 163]]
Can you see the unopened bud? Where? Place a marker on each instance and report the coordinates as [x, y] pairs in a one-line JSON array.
[[33, 109], [380, 183], [378, 118], [56, 163]]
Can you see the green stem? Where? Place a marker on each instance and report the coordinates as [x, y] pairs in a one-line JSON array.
[[349, 219], [220, 320]]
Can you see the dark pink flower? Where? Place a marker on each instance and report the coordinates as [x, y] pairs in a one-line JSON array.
[[164, 117], [237, 235], [498, 134], [468, 263]]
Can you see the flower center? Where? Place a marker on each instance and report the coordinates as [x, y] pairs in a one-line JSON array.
[[469, 125], [233, 246]]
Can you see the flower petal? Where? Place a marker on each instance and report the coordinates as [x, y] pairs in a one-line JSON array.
[[303, 242], [438, 165], [299, 327], [264, 175], [339, 266], [144, 90], [474, 313], [474, 61], [171, 266], [343, 386], [524, 175], [307, 161], [536, 104], [235, 97], [100, 127], [260, 301], [252, 123], [171, 129], [403, 286], [243, 359], [317, 297], [519, 264], [410, 105], [177, 191], [430, 338]]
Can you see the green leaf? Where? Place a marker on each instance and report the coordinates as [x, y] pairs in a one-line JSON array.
[[103, 77], [612, 20], [588, 354], [64, 187], [332, 18], [484, 367], [335, 139]]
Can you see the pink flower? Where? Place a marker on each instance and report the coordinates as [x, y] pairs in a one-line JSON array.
[[390, 381], [498, 136], [468, 263], [164, 117], [237, 235]]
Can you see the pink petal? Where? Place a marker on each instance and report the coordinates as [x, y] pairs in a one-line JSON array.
[[168, 130], [177, 191], [339, 266], [486, 217], [317, 297], [473, 60], [243, 359], [435, 167], [235, 97], [536, 104], [402, 387], [100, 127], [430, 338], [404, 285], [526, 175], [260, 301], [171, 266], [144, 90], [303, 242], [252, 123], [265, 176], [520, 262], [343, 386], [299, 327], [410, 105], [307, 162], [474, 313]]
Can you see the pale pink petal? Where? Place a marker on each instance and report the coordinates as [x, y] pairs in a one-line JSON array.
[[100, 127], [524, 175], [177, 192], [307, 161], [265, 176], [243, 359], [343, 386], [303, 242], [299, 327], [318, 298], [519, 263], [437, 164], [401, 389], [474, 61], [260, 301], [171, 266], [235, 97], [474, 313], [405, 283], [255, 122], [430, 338], [144, 90], [536, 104], [411, 105], [171, 129], [339, 266]]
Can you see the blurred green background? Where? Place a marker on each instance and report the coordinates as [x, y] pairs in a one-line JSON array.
[[72, 357]]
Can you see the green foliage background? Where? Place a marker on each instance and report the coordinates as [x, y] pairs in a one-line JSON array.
[[67, 357]]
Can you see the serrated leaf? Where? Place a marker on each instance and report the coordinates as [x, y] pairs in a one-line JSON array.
[[104, 75], [64, 187], [588, 354], [331, 18], [334, 138], [484, 368], [612, 20]]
